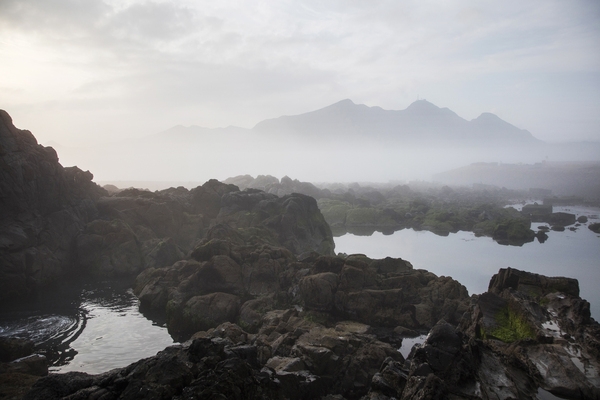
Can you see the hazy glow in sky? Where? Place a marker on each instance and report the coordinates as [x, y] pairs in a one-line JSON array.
[[89, 71]]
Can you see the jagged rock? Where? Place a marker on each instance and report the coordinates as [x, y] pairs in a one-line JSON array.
[[204, 368], [318, 291], [160, 253], [344, 356], [532, 284], [43, 206], [201, 313], [34, 364], [108, 248], [252, 311], [534, 332], [294, 220], [397, 295]]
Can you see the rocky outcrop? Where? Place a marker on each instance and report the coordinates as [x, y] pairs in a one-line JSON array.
[[294, 220], [387, 293], [204, 368], [530, 335], [541, 331], [162, 227], [43, 207], [290, 358]]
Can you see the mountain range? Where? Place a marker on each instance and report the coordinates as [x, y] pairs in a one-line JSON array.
[[421, 123], [341, 142]]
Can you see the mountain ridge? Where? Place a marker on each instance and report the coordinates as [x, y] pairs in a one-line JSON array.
[[420, 121]]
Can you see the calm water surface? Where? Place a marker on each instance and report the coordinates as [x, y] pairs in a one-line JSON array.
[[90, 327], [473, 260]]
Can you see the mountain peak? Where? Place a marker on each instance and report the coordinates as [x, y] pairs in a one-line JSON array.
[[345, 102], [422, 105]]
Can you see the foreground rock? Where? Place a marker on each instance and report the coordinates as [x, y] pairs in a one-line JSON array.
[[228, 279], [528, 335]]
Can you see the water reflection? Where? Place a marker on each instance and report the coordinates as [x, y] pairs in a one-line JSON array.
[[473, 260], [89, 327]]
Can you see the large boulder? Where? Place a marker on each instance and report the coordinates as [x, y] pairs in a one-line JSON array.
[[202, 312], [293, 221], [532, 284], [387, 292]]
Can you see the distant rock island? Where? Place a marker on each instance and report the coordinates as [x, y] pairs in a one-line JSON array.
[[560, 178]]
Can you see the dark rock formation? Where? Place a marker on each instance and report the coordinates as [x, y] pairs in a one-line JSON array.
[[201, 369], [161, 227], [55, 222], [387, 293], [19, 367], [561, 219], [43, 207], [528, 334]]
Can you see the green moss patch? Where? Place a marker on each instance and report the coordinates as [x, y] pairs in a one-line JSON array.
[[511, 326]]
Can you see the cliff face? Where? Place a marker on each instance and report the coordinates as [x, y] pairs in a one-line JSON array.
[[42, 207]]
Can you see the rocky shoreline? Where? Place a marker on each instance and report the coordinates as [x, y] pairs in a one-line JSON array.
[[250, 284]]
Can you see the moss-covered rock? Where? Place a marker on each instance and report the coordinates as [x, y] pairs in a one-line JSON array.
[[514, 232]]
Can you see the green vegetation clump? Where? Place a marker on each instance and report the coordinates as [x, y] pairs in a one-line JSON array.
[[511, 326], [362, 216], [514, 231], [442, 222], [334, 211], [441, 210]]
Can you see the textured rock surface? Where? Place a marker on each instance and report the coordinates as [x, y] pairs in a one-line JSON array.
[[386, 293], [43, 206]]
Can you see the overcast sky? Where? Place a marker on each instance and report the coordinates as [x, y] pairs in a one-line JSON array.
[[90, 71]]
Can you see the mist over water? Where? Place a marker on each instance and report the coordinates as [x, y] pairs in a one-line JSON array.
[[344, 142]]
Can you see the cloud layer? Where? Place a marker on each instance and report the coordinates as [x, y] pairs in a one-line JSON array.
[[99, 70]]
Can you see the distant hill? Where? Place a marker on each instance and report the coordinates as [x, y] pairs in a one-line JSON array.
[[422, 123], [562, 178]]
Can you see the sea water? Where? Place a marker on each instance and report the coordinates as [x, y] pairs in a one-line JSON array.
[[473, 260]]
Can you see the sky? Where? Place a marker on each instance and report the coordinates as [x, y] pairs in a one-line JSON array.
[[80, 73]]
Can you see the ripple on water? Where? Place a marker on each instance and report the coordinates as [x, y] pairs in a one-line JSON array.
[[104, 330]]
